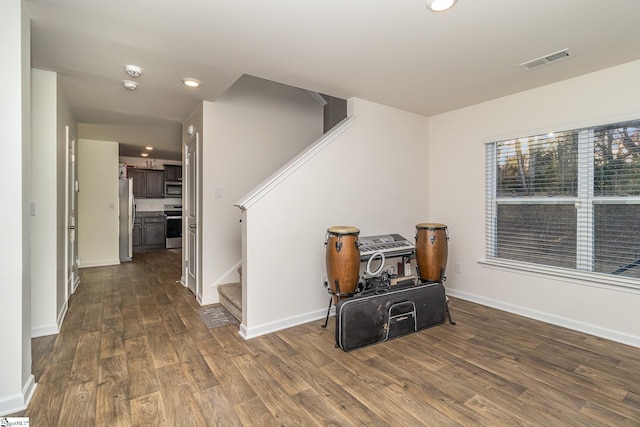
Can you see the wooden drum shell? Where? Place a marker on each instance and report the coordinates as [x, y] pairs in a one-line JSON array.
[[343, 260], [432, 250]]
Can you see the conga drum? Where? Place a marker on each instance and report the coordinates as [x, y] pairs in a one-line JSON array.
[[431, 251], [343, 261]]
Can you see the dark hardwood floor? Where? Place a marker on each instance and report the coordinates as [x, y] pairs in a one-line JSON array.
[[133, 351]]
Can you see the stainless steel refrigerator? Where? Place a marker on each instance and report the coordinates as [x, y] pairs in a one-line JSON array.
[[127, 213]]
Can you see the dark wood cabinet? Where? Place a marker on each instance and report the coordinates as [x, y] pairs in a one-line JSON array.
[[139, 182], [155, 184], [172, 173], [137, 232], [147, 183], [149, 232]]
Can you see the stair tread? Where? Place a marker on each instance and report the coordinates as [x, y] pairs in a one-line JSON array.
[[231, 298]]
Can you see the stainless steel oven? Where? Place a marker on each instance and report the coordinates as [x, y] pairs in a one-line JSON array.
[[173, 226]]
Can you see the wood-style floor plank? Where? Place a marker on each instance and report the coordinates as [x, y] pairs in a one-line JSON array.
[[113, 406], [132, 351], [149, 411]]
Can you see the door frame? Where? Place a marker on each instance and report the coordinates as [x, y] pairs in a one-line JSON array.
[[71, 277], [193, 217]]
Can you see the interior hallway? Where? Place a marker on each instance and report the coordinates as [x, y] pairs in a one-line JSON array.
[[133, 351]]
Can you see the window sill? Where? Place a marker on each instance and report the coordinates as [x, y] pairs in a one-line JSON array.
[[599, 280]]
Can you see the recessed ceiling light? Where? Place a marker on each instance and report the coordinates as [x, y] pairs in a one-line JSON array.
[[133, 70], [149, 148], [188, 81], [130, 84], [440, 5], [144, 154]]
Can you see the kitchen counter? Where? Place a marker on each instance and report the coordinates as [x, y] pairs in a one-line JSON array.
[[149, 214]]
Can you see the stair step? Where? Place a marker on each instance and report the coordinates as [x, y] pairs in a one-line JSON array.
[[231, 298]]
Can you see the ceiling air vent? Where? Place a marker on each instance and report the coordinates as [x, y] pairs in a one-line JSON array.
[[545, 60]]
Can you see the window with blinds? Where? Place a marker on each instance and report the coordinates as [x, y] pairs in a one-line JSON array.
[[569, 199]]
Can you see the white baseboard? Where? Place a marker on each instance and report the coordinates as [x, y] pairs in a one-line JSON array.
[[553, 319], [44, 330], [19, 401], [63, 312], [214, 299], [269, 327], [100, 263]]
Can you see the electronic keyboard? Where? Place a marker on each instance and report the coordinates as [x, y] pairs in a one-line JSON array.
[[391, 245]]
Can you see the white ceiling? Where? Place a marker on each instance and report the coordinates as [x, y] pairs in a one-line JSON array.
[[394, 52]]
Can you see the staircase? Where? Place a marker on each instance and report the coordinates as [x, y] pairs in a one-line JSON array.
[[231, 297]]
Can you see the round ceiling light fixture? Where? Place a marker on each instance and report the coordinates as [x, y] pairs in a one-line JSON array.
[[440, 5], [133, 70], [130, 84], [188, 81]]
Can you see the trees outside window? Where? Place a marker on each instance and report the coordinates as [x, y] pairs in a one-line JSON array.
[[569, 199]]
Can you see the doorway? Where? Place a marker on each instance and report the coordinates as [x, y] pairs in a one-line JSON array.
[[71, 203], [192, 216]]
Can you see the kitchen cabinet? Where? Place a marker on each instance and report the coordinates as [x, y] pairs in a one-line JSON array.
[[172, 173], [149, 231], [136, 235], [147, 183], [155, 184], [139, 182]]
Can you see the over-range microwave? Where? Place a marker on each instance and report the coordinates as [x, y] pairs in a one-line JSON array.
[[173, 189]]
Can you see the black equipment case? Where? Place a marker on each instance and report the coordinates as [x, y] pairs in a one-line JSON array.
[[368, 319]]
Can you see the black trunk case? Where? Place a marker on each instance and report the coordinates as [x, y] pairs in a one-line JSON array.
[[365, 320]]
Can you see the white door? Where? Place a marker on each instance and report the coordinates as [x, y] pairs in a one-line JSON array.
[[71, 214], [192, 214]]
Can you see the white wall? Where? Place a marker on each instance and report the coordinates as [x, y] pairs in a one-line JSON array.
[[456, 197], [373, 176], [17, 384], [98, 226], [50, 115], [249, 132], [44, 242]]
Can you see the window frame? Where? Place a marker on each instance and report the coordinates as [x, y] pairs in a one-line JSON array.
[[584, 201]]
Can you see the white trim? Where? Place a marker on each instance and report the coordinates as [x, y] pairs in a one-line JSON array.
[[103, 263], [267, 328], [597, 280], [318, 97], [43, 331], [588, 328], [63, 311], [208, 300], [19, 401], [226, 273], [270, 183]]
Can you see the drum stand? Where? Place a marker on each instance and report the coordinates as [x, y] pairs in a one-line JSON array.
[[338, 294], [441, 281]]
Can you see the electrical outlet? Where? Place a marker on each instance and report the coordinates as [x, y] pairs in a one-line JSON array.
[[407, 269], [324, 281], [458, 267]]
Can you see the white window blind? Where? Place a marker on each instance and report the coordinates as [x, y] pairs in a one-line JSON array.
[[567, 199]]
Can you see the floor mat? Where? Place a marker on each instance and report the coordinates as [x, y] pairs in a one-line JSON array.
[[215, 317]]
